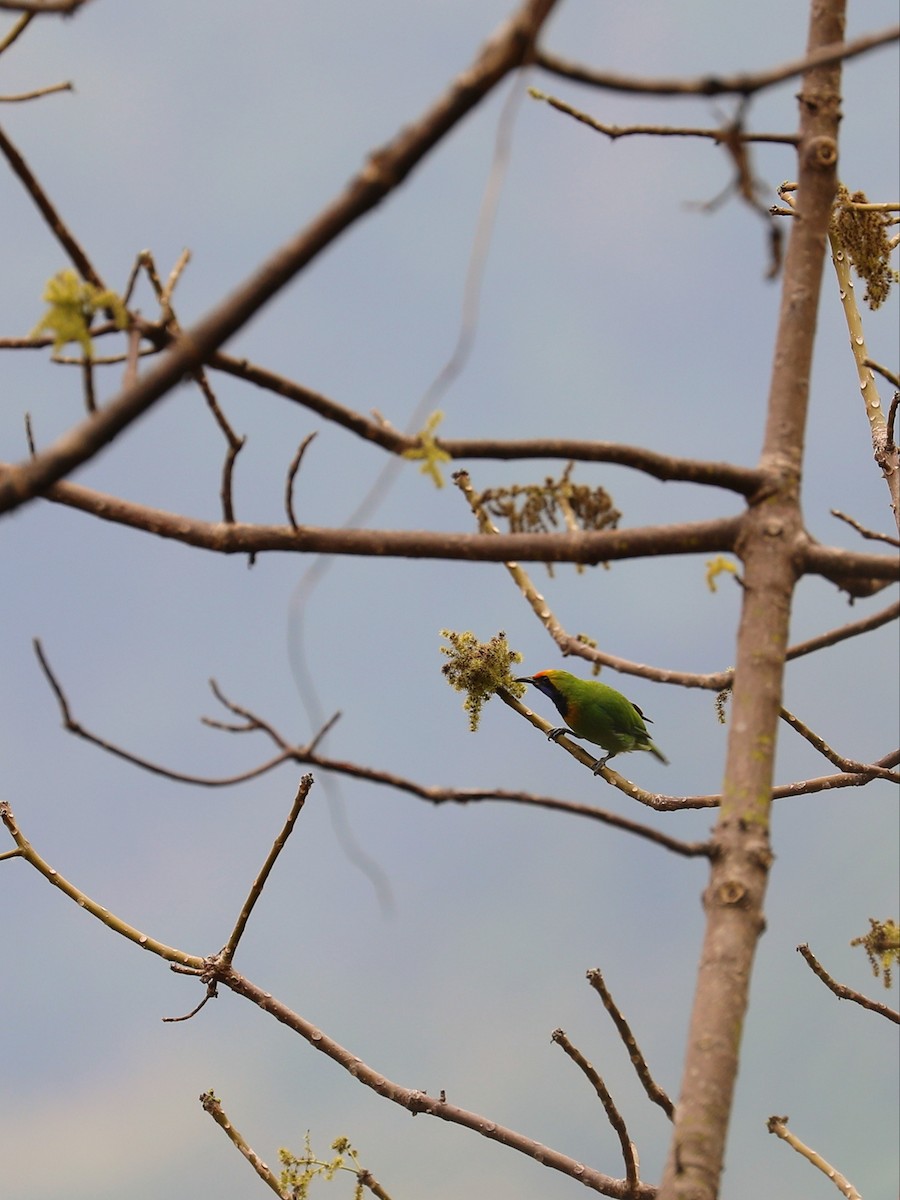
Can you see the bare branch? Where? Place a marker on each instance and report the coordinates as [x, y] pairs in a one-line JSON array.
[[853, 629], [306, 755], [291, 476], [34, 7], [44, 340], [778, 1126], [871, 534], [508, 49], [15, 31], [613, 132], [653, 1090], [87, 377], [689, 537], [783, 791], [609, 1106], [211, 994], [145, 764], [259, 882], [212, 1105], [845, 764], [844, 993], [743, 84], [42, 201], [102, 914], [743, 480], [891, 376], [416, 1101], [37, 93], [213, 970]]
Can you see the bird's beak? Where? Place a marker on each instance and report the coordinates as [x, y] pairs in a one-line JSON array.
[[527, 679]]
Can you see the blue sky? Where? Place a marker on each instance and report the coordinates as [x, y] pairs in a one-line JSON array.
[[611, 308]]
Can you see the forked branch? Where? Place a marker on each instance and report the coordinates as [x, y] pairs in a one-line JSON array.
[[215, 970]]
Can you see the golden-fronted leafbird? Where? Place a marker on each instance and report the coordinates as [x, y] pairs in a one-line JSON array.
[[597, 713]]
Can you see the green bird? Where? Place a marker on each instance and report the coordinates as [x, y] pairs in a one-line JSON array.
[[597, 713]]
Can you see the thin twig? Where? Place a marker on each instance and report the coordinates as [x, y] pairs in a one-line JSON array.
[[165, 295], [801, 787], [853, 629], [212, 1105], [259, 882], [891, 376], [44, 340], [291, 475], [416, 1101], [87, 376], [510, 46], [225, 490], [593, 546], [58, 227], [871, 534], [743, 480], [413, 1100], [614, 1117], [170, 323], [617, 131], [306, 755], [667, 467], [79, 730], [844, 993], [31, 856], [844, 764], [48, 90], [743, 83], [211, 994], [778, 1126], [235, 443], [15, 31], [442, 795], [653, 1090], [33, 7]]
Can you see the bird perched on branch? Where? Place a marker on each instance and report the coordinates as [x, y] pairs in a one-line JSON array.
[[597, 713]]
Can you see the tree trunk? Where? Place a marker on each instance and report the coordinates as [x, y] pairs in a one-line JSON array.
[[771, 535]]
